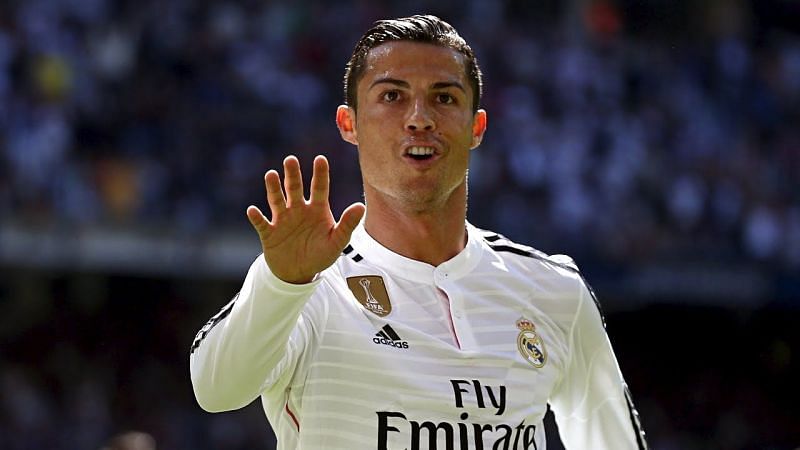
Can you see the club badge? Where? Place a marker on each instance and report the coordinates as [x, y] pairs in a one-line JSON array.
[[530, 344], [370, 291]]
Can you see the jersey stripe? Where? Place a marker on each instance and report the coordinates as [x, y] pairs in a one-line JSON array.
[[349, 249], [512, 249], [219, 317], [594, 297], [635, 421]]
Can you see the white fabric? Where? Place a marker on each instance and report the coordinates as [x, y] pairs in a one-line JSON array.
[[327, 381]]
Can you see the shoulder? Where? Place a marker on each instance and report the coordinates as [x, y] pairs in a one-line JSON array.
[[561, 270], [525, 254]]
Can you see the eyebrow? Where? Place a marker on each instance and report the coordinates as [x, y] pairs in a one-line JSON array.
[[388, 80], [404, 84], [448, 84]]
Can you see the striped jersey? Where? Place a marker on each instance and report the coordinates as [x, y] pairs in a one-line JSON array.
[[382, 351]]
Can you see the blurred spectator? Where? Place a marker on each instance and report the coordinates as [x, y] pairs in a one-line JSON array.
[[168, 113], [131, 440]]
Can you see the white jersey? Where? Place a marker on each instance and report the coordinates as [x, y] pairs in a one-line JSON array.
[[381, 351]]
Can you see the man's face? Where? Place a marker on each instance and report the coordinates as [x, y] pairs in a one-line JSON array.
[[413, 125]]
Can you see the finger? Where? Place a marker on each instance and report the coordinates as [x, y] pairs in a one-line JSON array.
[[320, 180], [348, 222], [258, 220], [275, 199], [292, 181]]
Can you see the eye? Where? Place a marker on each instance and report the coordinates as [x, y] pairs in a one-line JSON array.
[[390, 96], [445, 99]]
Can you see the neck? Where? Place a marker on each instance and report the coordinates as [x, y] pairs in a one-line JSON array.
[[431, 235]]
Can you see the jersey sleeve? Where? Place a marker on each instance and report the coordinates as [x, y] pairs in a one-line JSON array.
[[254, 343], [592, 404]]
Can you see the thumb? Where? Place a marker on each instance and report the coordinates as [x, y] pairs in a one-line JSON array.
[[349, 221]]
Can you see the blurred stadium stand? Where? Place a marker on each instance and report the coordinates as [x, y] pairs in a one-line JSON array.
[[657, 142]]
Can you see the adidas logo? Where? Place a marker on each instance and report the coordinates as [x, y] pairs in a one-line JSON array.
[[387, 336]]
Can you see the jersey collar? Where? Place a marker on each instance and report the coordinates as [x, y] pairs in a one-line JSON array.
[[376, 254]]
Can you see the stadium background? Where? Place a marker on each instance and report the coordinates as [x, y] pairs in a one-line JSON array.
[[657, 142]]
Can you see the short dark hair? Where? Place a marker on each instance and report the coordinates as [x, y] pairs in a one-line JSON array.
[[420, 28]]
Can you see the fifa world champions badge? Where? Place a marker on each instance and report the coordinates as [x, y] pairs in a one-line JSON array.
[[370, 291], [530, 344]]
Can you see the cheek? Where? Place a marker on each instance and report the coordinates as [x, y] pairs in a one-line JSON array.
[[372, 125], [460, 128]]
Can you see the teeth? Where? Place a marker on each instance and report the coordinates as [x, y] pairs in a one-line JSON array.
[[419, 151]]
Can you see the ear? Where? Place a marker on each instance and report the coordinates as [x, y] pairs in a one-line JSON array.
[[478, 128], [346, 122]]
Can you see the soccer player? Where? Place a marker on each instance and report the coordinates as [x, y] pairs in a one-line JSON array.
[[403, 326]]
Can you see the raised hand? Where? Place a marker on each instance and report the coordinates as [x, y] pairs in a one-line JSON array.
[[302, 239]]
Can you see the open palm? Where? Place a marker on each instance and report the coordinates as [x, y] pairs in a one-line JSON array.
[[302, 238]]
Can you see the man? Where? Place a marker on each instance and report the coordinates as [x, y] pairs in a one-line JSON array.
[[402, 326]]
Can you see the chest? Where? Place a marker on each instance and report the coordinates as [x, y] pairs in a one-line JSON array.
[[487, 348]]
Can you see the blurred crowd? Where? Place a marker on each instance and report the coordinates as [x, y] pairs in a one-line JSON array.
[[620, 131], [629, 132], [88, 357], [101, 363]]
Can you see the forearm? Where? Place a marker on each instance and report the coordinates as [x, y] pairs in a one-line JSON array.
[[236, 359]]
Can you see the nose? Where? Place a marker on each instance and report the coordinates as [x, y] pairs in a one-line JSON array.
[[419, 117]]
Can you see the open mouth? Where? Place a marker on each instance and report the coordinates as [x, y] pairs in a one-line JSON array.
[[420, 153]]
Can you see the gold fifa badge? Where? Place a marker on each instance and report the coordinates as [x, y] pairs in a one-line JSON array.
[[530, 344], [370, 291]]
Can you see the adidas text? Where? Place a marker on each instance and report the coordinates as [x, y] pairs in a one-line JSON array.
[[384, 341]]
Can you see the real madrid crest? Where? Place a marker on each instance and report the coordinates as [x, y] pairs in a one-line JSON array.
[[530, 344], [370, 291]]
